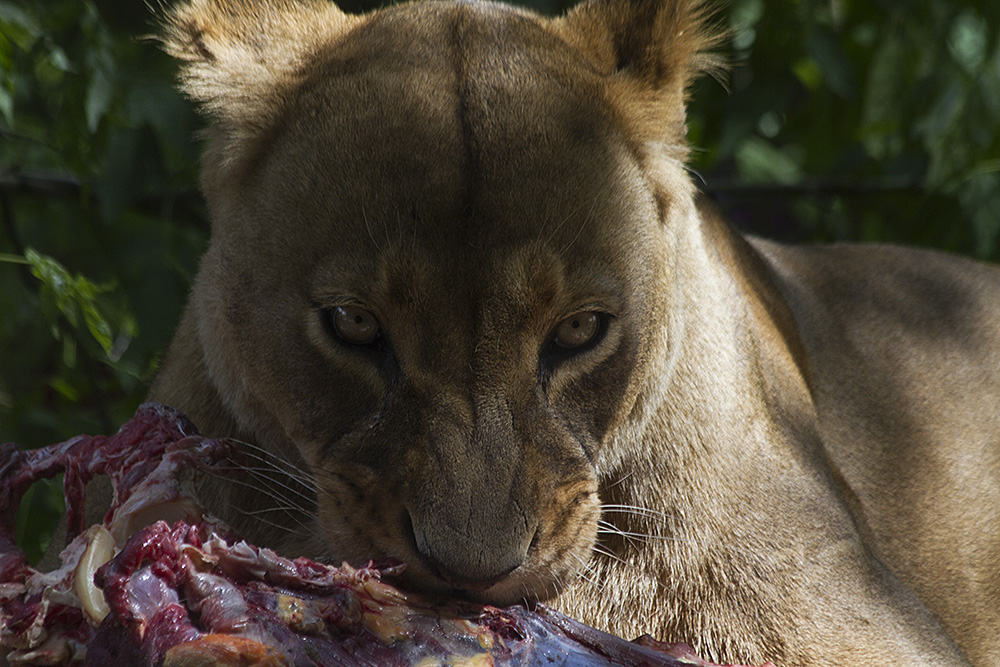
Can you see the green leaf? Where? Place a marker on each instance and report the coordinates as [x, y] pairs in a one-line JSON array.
[[62, 386], [881, 114], [743, 17], [40, 511], [19, 26], [762, 162], [99, 94], [968, 41], [838, 73], [76, 298], [7, 104], [808, 73], [8, 258]]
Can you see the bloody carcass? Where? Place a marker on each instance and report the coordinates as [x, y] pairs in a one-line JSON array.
[[159, 582]]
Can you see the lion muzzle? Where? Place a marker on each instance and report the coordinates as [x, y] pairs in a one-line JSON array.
[[489, 544], [474, 517]]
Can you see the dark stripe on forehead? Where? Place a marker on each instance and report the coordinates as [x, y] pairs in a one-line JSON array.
[[459, 38]]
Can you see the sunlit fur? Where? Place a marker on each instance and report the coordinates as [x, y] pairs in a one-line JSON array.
[[771, 453]]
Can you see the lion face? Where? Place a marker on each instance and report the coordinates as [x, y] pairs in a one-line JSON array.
[[438, 272]]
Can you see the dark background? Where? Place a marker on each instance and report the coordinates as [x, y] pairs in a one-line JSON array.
[[869, 120]]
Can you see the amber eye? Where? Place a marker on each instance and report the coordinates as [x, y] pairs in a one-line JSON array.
[[578, 330], [354, 325]]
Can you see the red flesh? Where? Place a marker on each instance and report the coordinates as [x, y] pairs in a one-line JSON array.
[[192, 593]]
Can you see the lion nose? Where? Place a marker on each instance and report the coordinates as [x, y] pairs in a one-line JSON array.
[[471, 560]]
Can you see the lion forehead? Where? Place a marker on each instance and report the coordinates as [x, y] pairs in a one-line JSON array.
[[474, 117]]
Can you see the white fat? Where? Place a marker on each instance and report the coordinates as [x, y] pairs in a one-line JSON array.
[[11, 590], [61, 578], [100, 549], [151, 502]]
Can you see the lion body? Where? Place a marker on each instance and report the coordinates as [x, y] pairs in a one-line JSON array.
[[772, 453]]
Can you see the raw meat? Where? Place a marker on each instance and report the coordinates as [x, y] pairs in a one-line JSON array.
[[191, 593]]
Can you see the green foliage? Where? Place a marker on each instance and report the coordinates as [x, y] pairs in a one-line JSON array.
[[100, 229], [41, 509], [97, 162], [73, 300], [842, 119], [880, 121]]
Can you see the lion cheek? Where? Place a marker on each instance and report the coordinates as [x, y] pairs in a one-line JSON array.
[[357, 516]]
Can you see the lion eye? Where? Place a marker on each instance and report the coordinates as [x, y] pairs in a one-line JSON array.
[[354, 325], [578, 330]]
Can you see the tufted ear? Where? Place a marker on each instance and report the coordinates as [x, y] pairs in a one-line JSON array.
[[650, 51], [243, 58]]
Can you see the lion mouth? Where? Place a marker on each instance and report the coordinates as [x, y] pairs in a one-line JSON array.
[[529, 558], [527, 584], [429, 576], [458, 583], [457, 574]]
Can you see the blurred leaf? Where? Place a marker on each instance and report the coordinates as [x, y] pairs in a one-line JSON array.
[[76, 297], [6, 102], [40, 511], [880, 113], [833, 64], [981, 194], [66, 388], [808, 72], [98, 99], [968, 40], [18, 26], [100, 64], [743, 18], [761, 162]]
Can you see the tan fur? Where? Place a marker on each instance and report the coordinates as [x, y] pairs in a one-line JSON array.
[[773, 453]]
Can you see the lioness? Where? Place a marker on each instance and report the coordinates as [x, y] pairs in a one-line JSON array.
[[461, 298]]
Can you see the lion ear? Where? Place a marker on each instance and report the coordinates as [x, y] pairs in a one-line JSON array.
[[650, 51], [242, 58]]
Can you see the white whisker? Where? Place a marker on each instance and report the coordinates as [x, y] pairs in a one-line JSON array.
[[587, 573], [637, 511], [274, 488]]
